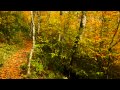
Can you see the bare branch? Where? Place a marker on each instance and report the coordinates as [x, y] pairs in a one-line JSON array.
[[114, 45], [116, 29]]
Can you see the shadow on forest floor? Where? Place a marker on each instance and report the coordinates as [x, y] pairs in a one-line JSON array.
[[115, 70]]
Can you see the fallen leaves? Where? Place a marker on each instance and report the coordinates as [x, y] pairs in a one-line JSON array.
[[11, 68]]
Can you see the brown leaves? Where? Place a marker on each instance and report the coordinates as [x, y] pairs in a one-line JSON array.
[[11, 68]]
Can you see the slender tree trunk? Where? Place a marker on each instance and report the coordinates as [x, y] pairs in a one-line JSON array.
[[82, 25], [59, 39], [38, 21], [32, 50], [75, 46]]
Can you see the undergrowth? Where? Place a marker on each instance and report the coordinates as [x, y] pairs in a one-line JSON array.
[[39, 72]]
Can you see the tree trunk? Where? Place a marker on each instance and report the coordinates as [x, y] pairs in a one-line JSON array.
[[32, 50], [75, 46], [59, 39], [38, 21], [82, 25]]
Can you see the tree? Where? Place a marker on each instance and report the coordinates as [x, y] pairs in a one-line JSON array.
[[81, 28], [39, 20], [60, 25], [32, 50]]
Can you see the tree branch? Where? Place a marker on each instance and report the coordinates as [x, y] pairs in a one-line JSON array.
[[116, 29], [114, 45]]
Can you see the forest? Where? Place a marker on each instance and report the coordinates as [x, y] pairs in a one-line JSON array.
[[59, 45]]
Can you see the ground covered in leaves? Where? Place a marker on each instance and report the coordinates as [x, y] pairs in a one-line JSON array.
[[11, 67]]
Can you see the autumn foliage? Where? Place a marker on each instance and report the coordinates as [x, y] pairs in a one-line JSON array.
[[62, 48]]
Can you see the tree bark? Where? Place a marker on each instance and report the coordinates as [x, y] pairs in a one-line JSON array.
[[38, 21], [59, 39], [82, 26], [32, 50], [75, 46]]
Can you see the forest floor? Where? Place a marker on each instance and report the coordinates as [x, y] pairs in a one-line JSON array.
[[115, 70], [11, 67]]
